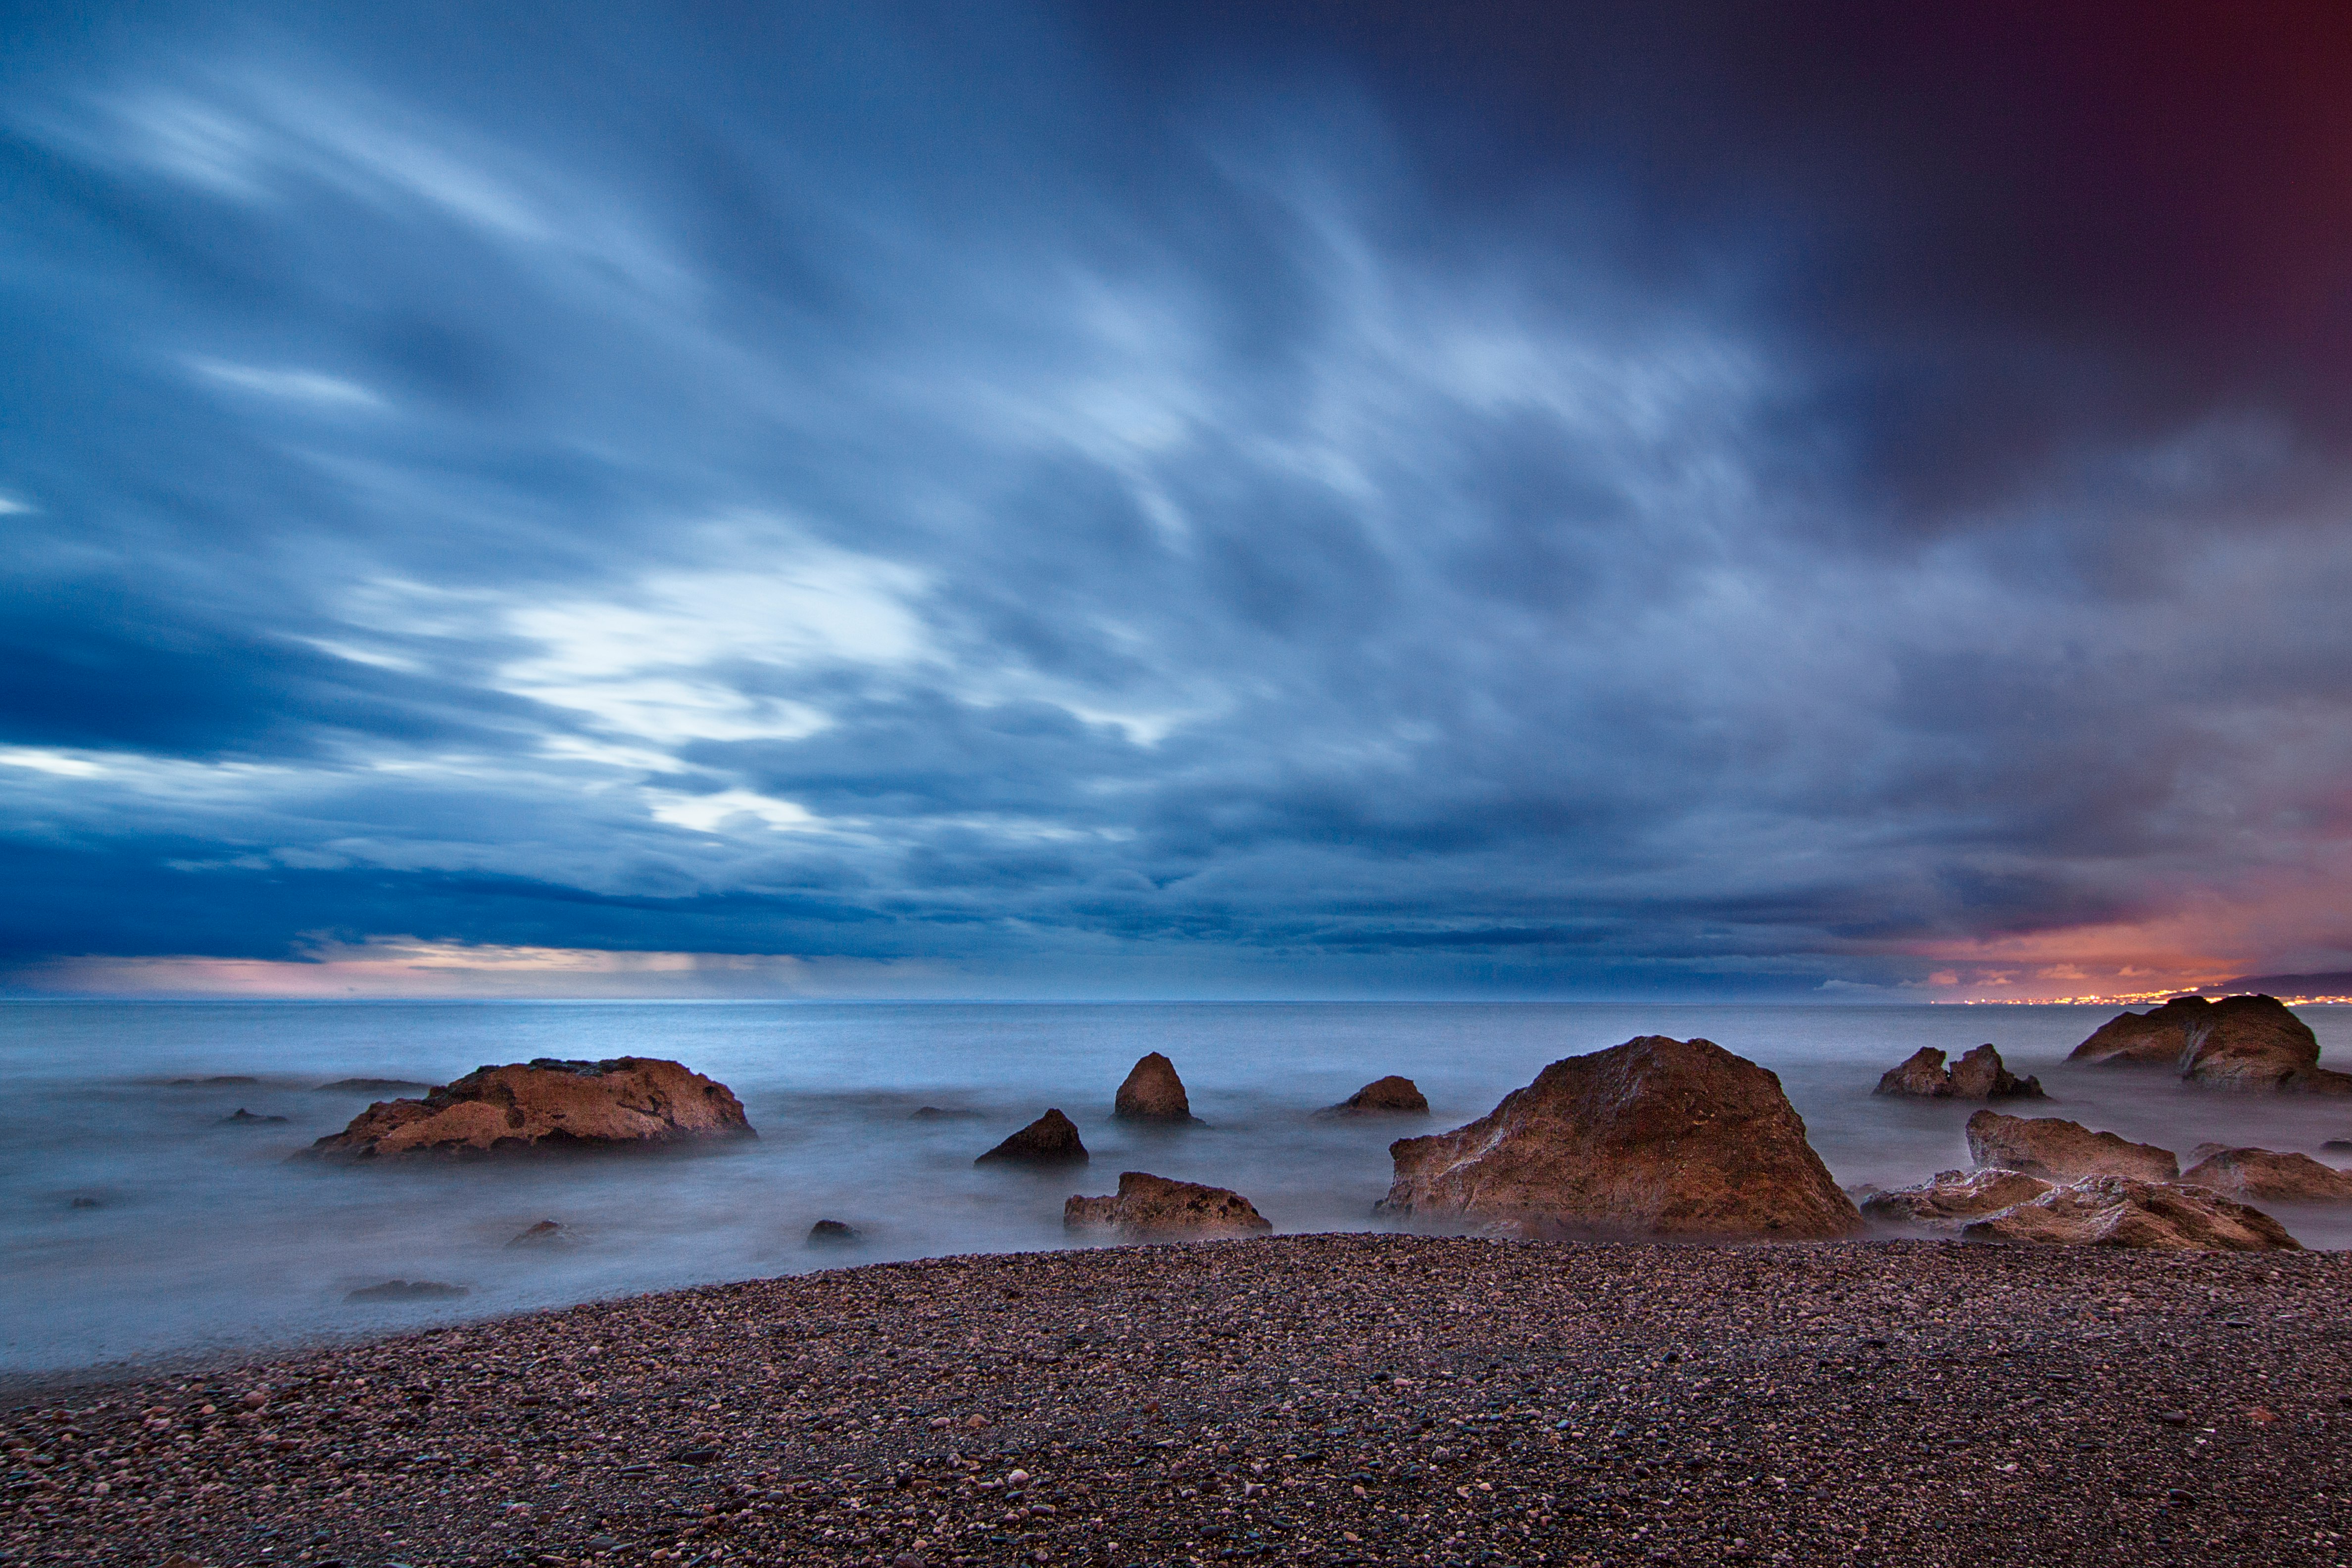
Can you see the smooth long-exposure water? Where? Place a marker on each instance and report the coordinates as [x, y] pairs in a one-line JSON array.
[[138, 1225]]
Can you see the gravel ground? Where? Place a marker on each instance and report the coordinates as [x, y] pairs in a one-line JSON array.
[[1329, 1399]]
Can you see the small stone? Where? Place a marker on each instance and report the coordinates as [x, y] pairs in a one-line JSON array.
[[834, 1233], [2173, 1418]]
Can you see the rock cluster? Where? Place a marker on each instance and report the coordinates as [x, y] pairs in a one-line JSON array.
[[2238, 1042], [627, 1102], [1051, 1140], [2118, 1211], [1390, 1096], [1152, 1092], [2264, 1174], [1978, 1075], [1148, 1206], [1654, 1137], [2062, 1151]]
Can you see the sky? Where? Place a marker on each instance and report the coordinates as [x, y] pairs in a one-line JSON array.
[[1264, 500]]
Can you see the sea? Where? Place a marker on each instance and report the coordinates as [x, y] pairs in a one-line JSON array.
[[144, 1228]]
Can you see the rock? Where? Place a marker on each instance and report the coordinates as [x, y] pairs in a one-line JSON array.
[[1921, 1075], [1955, 1197], [2119, 1210], [1152, 1092], [87, 1203], [1980, 1075], [2238, 1042], [208, 1082], [2062, 1151], [1051, 1140], [1654, 1137], [1147, 1206], [2262, 1174], [627, 1102], [2344, 1145], [1976, 1076], [833, 1233], [369, 1086], [933, 1113], [241, 1116], [546, 1233], [407, 1291], [1390, 1096]]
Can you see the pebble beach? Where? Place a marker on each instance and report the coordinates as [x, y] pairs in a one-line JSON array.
[[1322, 1398]]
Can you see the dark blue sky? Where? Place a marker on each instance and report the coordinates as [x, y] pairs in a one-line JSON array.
[[1175, 500]]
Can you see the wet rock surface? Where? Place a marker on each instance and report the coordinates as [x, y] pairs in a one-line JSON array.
[[2261, 1174], [626, 1102], [1952, 1198], [2062, 1151], [1338, 1400], [1152, 1092], [2117, 1211], [2238, 1042], [1149, 1206], [1657, 1137], [1390, 1096], [1051, 1140]]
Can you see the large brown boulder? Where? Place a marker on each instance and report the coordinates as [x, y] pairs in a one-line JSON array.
[[2117, 1211], [1148, 1206], [1051, 1140], [1654, 1137], [1920, 1075], [2238, 1042], [2261, 1174], [2062, 1151], [1152, 1092], [1390, 1096], [1955, 1197], [627, 1102]]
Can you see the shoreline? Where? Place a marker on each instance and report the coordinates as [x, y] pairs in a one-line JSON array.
[[1330, 1398]]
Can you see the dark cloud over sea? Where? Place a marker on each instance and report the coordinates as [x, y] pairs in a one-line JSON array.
[[1269, 498]]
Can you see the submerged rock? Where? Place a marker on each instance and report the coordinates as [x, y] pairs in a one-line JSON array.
[[209, 1082], [1152, 1092], [546, 1233], [1390, 1096], [2263, 1173], [2062, 1151], [1976, 1076], [1051, 1140], [2118, 1211], [242, 1117], [626, 1103], [2238, 1042], [408, 1290], [1954, 1198], [1921, 1075], [369, 1086], [1654, 1137], [1149, 1206], [833, 1233]]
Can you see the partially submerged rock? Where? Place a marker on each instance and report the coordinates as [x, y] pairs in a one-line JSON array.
[[1654, 1137], [1051, 1140], [2261, 1174], [2118, 1211], [1390, 1096], [407, 1291], [370, 1086], [2238, 1042], [546, 1233], [626, 1103], [1148, 1206], [2062, 1151], [241, 1117], [1978, 1075], [1152, 1092], [1955, 1197], [833, 1233]]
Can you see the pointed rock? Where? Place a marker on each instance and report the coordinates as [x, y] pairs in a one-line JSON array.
[[1051, 1140], [1152, 1092], [1149, 1206], [1654, 1137], [1980, 1076], [2062, 1150]]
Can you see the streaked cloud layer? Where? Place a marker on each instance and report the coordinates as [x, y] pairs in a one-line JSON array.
[[1277, 500]]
